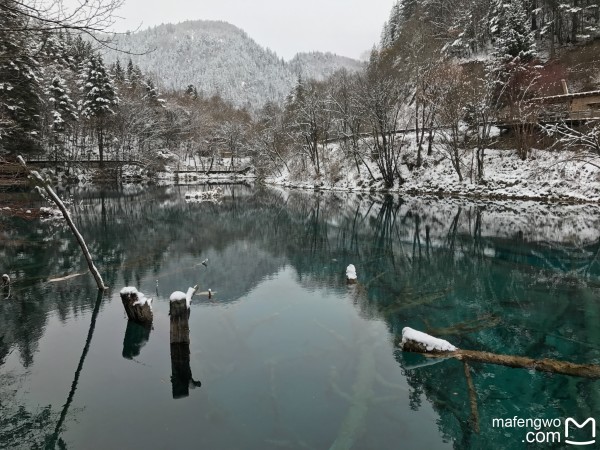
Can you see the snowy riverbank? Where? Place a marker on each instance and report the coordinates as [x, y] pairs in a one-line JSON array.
[[545, 176]]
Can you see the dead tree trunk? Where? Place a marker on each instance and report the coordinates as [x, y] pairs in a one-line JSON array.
[[55, 198], [542, 365], [137, 306]]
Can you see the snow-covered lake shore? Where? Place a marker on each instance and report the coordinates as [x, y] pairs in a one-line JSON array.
[[545, 176]]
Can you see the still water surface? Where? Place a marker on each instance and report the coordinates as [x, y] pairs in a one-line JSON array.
[[287, 354]]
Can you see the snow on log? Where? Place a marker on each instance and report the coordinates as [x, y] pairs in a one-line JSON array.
[[179, 310], [423, 343], [418, 342], [351, 274], [137, 306], [212, 195]]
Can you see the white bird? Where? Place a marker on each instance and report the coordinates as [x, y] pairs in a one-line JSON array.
[[205, 262]]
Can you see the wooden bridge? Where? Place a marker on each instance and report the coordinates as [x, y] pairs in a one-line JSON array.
[[92, 163], [117, 163]]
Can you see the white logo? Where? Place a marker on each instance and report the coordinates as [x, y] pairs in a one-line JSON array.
[[574, 422]]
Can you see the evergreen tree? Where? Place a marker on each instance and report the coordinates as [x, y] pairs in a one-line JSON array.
[[513, 37], [134, 74], [20, 90], [63, 109], [151, 95], [118, 72], [99, 98]]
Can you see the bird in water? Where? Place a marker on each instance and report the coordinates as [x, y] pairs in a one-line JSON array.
[[205, 262]]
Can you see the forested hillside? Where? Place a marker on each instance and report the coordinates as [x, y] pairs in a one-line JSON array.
[[469, 28], [219, 58]]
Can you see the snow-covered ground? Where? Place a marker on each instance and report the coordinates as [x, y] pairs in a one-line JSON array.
[[545, 175]]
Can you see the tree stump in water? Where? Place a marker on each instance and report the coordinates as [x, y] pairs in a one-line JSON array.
[[137, 306], [179, 311], [181, 373]]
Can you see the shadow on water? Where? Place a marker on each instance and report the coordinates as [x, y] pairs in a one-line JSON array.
[[136, 336], [55, 438]]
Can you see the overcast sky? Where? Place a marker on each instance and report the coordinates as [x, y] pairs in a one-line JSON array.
[[345, 27]]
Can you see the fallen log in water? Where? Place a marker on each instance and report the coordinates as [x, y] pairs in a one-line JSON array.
[[418, 342], [137, 306], [63, 209]]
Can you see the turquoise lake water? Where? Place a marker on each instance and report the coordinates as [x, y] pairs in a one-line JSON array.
[[287, 354]]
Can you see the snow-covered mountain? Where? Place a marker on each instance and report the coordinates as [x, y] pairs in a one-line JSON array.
[[217, 57]]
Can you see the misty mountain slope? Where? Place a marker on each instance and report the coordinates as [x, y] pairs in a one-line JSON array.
[[218, 57], [318, 65]]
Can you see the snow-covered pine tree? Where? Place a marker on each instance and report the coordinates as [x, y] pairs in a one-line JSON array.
[[63, 109], [20, 90], [511, 28], [99, 97], [134, 74], [391, 29], [118, 72], [151, 94], [63, 113]]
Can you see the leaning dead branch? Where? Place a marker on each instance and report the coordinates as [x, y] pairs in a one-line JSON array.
[[56, 199], [417, 342]]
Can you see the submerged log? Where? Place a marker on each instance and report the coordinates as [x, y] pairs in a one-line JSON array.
[[137, 306], [417, 342]]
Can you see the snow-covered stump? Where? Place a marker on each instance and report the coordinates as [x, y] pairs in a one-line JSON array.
[[351, 277], [179, 311], [137, 306], [181, 373], [418, 342]]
